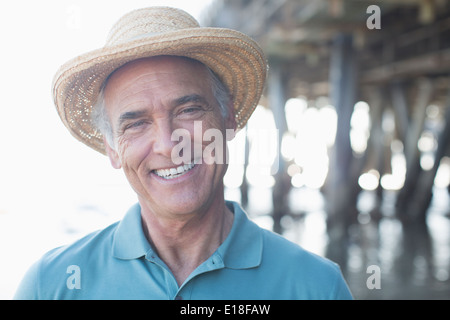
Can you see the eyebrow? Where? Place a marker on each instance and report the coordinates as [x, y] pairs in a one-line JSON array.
[[189, 98]]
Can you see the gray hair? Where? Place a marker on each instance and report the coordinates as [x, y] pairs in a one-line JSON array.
[[102, 123]]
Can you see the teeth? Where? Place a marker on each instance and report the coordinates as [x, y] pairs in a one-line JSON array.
[[174, 172]]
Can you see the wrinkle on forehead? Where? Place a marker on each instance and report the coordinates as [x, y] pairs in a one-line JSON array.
[[169, 61], [147, 71]]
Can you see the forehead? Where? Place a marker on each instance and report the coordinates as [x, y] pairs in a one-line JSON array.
[[158, 65], [162, 75]]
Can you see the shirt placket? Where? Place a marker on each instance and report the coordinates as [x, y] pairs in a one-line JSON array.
[[169, 279], [214, 263], [183, 292]]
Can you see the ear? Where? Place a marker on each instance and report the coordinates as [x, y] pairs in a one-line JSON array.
[[112, 155]]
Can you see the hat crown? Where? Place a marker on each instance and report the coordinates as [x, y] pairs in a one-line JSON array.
[[234, 57], [149, 22]]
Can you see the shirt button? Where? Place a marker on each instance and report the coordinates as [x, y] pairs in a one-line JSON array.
[[178, 298]]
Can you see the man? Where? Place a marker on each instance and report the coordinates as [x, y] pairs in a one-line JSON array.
[[160, 73]]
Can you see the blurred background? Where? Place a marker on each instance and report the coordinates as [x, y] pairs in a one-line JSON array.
[[348, 153]]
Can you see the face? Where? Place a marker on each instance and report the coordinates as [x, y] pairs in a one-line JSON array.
[[146, 101]]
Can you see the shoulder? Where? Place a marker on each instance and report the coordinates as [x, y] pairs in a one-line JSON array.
[[48, 276], [89, 245], [309, 274], [275, 244]]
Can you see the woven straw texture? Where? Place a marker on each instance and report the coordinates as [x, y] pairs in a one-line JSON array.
[[234, 57]]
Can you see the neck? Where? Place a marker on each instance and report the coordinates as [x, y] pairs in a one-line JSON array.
[[185, 242]]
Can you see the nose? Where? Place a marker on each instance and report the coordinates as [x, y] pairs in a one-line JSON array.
[[162, 142]]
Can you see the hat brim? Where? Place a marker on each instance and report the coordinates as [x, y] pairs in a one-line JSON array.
[[234, 57]]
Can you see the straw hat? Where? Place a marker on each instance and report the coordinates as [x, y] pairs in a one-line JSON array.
[[237, 60]]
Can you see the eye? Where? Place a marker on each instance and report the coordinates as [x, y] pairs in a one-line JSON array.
[[190, 112], [135, 124], [190, 109]]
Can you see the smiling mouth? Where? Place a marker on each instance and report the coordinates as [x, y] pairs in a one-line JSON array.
[[174, 172]]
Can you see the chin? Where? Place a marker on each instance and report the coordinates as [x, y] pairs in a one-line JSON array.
[[176, 205]]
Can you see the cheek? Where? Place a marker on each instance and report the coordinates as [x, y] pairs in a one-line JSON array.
[[207, 139], [214, 146], [132, 153]]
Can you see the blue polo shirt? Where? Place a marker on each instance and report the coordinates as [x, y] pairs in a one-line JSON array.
[[119, 263]]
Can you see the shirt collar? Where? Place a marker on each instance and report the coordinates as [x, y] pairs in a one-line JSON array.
[[242, 249], [129, 239]]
